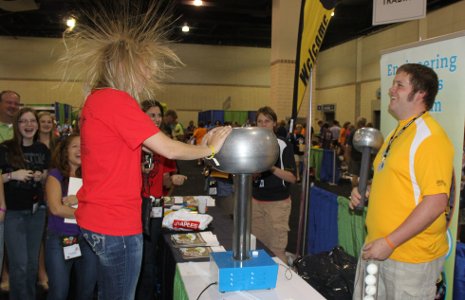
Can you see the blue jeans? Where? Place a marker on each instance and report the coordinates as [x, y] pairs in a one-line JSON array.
[[59, 269], [23, 235], [119, 262], [2, 239]]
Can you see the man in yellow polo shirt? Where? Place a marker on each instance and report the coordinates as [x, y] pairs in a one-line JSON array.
[[408, 197], [9, 106]]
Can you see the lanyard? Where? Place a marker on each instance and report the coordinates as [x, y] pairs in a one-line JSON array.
[[396, 135]]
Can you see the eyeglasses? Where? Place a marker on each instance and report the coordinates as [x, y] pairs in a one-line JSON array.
[[32, 121]]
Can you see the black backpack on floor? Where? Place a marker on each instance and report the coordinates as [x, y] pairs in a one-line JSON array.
[[331, 273]]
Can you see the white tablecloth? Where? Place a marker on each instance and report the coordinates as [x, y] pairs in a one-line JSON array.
[[290, 286]]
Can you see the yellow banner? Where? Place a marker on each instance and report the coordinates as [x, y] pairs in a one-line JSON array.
[[316, 17]]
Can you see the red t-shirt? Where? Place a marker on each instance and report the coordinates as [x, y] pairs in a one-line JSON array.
[[112, 132], [153, 181]]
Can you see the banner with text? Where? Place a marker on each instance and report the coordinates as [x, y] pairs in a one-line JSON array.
[[444, 55], [392, 11], [314, 20]]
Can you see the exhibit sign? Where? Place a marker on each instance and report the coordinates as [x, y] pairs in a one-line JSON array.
[[393, 11]]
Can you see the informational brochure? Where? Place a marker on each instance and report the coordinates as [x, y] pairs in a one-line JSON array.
[[73, 187]]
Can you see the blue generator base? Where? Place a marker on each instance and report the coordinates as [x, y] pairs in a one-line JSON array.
[[259, 272]]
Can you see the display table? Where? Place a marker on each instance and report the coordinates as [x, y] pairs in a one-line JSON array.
[[192, 277], [221, 226]]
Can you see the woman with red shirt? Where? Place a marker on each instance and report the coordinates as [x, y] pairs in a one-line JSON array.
[[123, 53]]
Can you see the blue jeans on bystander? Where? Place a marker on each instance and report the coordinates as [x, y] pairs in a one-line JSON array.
[[2, 244], [59, 269], [23, 235], [120, 259]]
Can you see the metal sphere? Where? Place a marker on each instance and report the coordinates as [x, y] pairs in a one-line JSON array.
[[247, 150], [368, 137]]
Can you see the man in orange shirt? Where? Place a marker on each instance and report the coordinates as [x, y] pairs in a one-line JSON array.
[[198, 135]]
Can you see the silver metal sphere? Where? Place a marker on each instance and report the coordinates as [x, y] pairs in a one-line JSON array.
[[368, 137], [247, 150]]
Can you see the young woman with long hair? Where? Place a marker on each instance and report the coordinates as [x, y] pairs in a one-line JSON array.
[[47, 130], [24, 163], [159, 177], [122, 50], [66, 163], [46, 136]]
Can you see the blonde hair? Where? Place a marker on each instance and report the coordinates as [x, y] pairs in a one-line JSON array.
[[122, 45], [52, 132]]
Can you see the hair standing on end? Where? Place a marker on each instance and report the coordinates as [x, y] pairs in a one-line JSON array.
[[122, 45]]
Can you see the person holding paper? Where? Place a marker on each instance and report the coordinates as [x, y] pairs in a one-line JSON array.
[[24, 163], [65, 247]]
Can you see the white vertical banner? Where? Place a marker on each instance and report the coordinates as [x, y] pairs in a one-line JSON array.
[[393, 11], [445, 55]]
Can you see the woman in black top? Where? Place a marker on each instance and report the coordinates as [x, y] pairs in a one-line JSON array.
[[24, 163], [271, 205]]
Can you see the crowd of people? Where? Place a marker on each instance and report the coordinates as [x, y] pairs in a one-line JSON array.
[[36, 209], [36, 167]]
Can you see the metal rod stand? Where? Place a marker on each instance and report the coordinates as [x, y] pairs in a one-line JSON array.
[[242, 216]]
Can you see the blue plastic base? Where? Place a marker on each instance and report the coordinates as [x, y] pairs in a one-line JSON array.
[[259, 272]]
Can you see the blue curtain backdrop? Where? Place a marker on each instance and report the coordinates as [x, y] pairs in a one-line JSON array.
[[322, 228]]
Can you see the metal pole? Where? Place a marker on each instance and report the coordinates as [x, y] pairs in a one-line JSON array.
[[333, 181], [363, 179], [304, 196], [242, 216]]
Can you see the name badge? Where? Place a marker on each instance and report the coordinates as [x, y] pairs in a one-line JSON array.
[[381, 166], [157, 212], [71, 247], [212, 188], [35, 207]]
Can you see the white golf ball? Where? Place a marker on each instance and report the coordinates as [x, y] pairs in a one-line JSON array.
[[370, 280], [368, 298], [370, 290], [372, 269]]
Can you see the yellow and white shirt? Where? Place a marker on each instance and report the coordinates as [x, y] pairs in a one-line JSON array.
[[419, 163]]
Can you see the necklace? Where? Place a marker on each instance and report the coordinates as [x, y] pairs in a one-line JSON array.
[[393, 138]]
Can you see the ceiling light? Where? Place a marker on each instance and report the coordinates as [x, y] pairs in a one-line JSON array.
[[71, 22], [198, 2], [185, 28], [332, 14]]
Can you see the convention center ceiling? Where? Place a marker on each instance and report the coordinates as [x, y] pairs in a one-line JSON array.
[[216, 22]]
